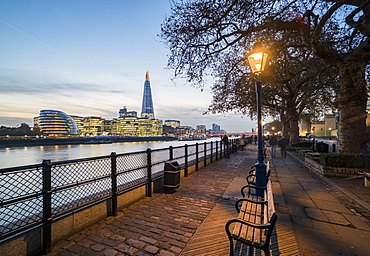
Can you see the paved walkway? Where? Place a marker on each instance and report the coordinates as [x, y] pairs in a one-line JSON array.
[[313, 218], [324, 220]]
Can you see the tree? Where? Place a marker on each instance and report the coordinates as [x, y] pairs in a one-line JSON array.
[[300, 84], [21, 130], [274, 126], [203, 34], [294, 76]]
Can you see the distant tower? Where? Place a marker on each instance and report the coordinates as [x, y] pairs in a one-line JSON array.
[[147, 110]]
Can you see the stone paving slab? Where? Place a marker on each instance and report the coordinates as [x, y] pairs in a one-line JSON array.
[[325, 221]]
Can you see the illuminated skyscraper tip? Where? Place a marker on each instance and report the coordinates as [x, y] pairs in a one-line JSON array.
[[147, 78], [147, 107]]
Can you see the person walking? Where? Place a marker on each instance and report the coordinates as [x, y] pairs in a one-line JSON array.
[[242, 143], [225, 141], [283, 143], [273, 144]]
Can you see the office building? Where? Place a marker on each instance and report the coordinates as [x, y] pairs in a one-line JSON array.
[[56, 123], [124, 113], [93, 125], [201, 129], [124, 126], [172, 123], [184, 131], [129, 124], [79, 120], [216, 127], [147, 106]]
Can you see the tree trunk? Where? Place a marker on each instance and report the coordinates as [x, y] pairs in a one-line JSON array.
[[352, 107], [294, 129], [285, 123]]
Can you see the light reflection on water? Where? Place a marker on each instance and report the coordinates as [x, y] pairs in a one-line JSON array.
[[18, 156]]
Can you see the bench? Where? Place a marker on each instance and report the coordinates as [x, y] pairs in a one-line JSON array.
[[255, 222], [251, 178]]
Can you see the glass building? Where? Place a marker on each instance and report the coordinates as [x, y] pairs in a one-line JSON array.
[[93, 125], [56, 123], [79, 120], [147, 106]]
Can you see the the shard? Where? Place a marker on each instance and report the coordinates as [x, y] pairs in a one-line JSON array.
[[147, 106]]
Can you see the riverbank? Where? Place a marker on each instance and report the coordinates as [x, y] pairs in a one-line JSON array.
[[80, 140]]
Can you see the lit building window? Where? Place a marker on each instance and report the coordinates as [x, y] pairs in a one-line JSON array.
[[54, 122]]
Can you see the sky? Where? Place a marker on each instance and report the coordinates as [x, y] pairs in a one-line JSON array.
[[89, 58]]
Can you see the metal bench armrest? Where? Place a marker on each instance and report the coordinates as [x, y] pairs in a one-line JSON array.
[[249, 187], [250, 178]]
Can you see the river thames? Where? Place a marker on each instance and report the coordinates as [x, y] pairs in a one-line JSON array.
[[19, 156]]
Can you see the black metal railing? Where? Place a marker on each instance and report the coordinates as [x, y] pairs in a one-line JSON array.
[[36, 195]]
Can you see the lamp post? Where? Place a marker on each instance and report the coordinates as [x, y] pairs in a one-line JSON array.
[[257, 60], [313, 140]]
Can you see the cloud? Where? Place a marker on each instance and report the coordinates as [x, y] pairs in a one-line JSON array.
[[26, 84]]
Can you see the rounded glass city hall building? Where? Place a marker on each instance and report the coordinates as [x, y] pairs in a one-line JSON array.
[[54, 122]]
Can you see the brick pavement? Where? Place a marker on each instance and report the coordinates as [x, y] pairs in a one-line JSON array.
[[184, 223], [160, 225]]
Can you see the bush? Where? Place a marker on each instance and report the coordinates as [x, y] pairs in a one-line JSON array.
[[302, 144], [343, 160]]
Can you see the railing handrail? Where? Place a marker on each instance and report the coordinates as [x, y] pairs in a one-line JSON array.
[[116, 163]]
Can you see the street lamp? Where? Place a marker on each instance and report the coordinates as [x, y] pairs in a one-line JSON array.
[[257, 60]]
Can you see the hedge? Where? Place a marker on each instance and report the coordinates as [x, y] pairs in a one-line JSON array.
[[343, 160]]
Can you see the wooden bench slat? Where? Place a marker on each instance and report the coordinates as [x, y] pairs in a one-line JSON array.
[[255, 220]]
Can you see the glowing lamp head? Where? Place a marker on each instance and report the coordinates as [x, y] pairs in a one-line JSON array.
[[257, 58]]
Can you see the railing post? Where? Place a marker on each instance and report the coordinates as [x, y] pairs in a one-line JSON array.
[[205, 154], [196, 157], [186, 161], [114, 206], [46, 198], [149, 173], [211, 151], [171, 152], [216, 150]]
